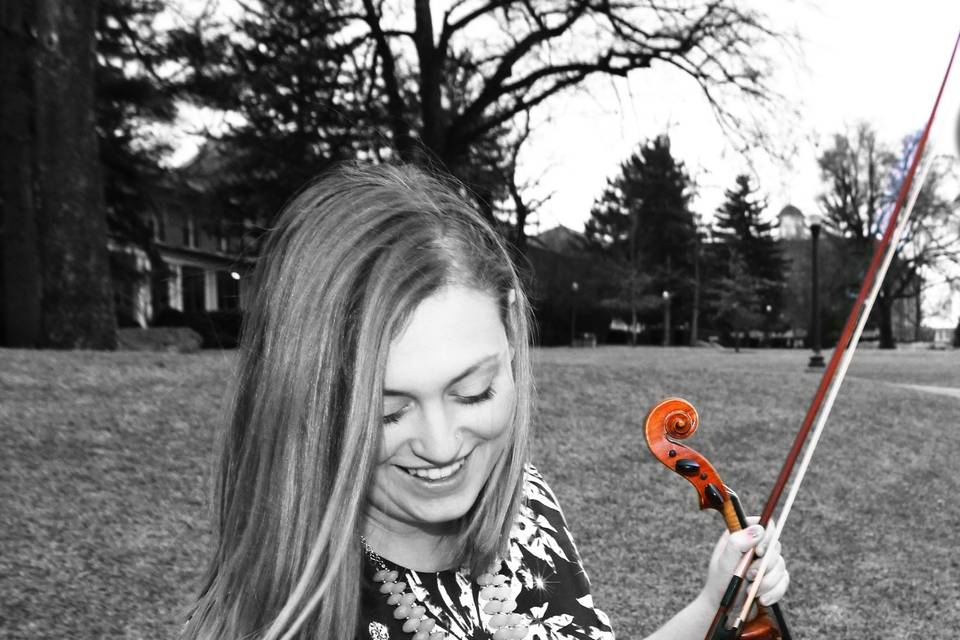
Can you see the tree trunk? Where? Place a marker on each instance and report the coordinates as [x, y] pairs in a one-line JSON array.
[[431, 77], [695, 313], [20, 268], [917, 316], [62, 221], [484, 200], [885, 321]]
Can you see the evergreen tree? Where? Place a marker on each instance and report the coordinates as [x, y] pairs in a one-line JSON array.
[[643, 216], [741, 228], [643, 225], [130, 97], [738, 301], [298, 99], [666, 228], [611, 226]]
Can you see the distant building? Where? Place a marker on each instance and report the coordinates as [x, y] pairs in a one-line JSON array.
[[206, 256], [793, 225], [561, 240], [564, 282], [944, 324]]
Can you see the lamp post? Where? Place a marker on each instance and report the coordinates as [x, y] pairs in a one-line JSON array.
[[666, 318], [574, 287], [767, 323], [816, 360]]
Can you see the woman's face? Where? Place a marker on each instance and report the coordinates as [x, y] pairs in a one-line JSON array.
[[448, 401]]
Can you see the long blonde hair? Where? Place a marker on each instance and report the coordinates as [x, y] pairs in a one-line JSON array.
[[350, 258]]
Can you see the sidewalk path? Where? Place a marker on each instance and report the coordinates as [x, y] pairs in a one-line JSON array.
[[943, 391]]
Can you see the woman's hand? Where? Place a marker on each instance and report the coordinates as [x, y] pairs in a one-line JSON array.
[[726, 554]]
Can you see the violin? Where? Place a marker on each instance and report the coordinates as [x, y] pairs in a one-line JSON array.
[[669, 422]]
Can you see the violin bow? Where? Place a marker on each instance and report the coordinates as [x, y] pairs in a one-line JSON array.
[[829, 386]]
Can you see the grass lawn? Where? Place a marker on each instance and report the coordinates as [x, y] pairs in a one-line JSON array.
[[104, 463]]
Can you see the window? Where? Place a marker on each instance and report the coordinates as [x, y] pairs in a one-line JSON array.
[[193, 289], [228, 291], [189, 232]]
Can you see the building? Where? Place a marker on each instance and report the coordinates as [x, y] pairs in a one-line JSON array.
[[204, 257]]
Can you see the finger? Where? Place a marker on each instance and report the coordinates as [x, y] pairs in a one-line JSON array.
[[754, 568], [764, 547], [773, 576], [774, 560], [768, 535], [775, 566], [776, 592], [746, 539]]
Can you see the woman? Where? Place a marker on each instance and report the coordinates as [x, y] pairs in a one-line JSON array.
[[375, 478]]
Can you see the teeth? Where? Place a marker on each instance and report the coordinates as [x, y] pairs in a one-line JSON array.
[[436, 473]]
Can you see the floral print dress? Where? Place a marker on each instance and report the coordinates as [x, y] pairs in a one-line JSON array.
[[546, 576]]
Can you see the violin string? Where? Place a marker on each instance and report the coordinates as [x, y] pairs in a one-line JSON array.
[[827, 406]]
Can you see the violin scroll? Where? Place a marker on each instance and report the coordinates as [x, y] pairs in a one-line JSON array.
[[670, 421], [682, 420]]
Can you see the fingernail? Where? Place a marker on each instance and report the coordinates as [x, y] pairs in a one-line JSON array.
[[755, 530], [761, 548]]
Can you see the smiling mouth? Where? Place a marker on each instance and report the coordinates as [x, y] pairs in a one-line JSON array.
[[434, 474]]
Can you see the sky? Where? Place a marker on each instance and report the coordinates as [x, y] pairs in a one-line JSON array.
[[879, 62]]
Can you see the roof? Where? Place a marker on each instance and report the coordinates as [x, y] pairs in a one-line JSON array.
[[560, 239]]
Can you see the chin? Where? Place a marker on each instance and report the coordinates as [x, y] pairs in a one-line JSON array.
[[448, 510]]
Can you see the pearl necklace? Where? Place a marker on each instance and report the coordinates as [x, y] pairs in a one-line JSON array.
[[494, 588]]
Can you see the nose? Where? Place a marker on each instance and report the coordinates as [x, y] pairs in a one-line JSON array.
[[437, 439]]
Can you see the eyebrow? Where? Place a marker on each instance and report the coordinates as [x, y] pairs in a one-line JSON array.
[[483, 362]]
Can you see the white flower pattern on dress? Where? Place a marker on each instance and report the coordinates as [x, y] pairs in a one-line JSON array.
[[546, 576]]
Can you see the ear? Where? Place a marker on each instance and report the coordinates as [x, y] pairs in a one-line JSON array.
[[511, 296]]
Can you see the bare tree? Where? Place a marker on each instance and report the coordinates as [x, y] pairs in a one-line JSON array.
[[511, 57], [524, 206], [451, 87], [862, 178]]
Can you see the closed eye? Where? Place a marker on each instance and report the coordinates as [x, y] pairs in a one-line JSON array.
[[484, 396], [394, 418], [477, 399]]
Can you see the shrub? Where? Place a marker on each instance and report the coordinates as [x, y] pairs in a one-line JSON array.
[[219, 329]]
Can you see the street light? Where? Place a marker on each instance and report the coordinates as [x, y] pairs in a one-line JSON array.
[[816, 360], [574, 287], [767, 323], [666, 318]]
